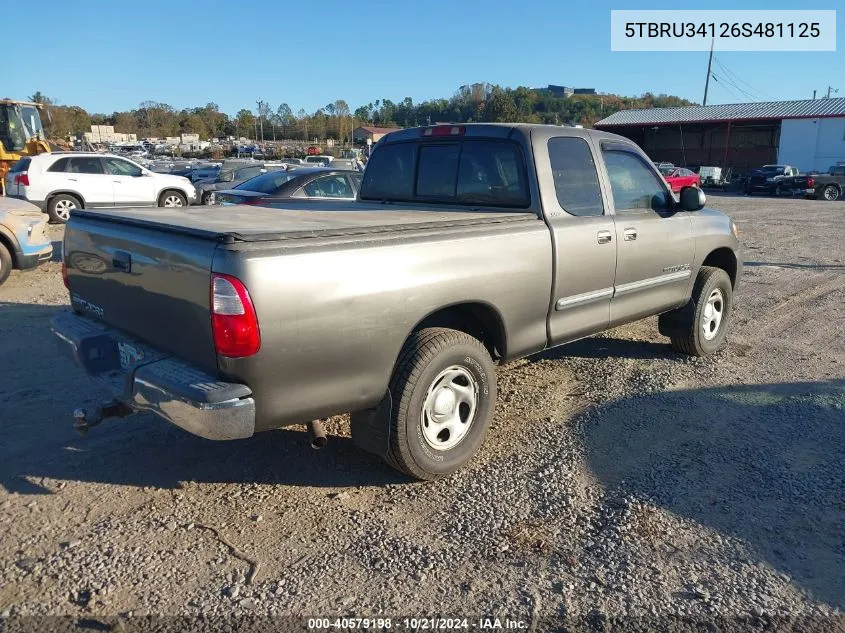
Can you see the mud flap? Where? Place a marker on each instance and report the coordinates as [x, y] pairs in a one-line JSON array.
[[676, 321], [371, 427]]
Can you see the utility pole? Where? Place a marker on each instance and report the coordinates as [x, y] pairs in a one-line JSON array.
[[260, 104], [829, 89], [709, 66], [814, 95]]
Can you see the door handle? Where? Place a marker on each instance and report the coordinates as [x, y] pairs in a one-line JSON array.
[[72, 179], [604, 237], [630, 234], [117, 182]]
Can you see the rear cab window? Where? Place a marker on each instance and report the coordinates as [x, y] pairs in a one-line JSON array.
[[457, 172]]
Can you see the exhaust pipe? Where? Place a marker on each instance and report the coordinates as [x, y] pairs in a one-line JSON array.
[[318, 434]]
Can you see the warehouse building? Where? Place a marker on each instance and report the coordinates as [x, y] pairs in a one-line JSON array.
[[809, 135], [372, 134]]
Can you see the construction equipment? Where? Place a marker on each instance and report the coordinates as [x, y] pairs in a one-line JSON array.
[[21, 134]]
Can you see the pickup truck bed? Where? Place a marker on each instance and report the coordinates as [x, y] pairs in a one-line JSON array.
[[244, 223]]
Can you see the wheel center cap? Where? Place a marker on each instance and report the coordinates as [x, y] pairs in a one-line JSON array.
[[444, 403]]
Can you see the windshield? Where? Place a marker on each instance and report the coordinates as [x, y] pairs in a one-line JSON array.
[[266, 183], [772, 170], [667, 171], [13, 133], [32, 121]]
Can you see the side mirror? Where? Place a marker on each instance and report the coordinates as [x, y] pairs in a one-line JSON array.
[[692, 199]]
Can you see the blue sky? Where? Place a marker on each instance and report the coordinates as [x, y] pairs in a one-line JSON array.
[[108, 56]]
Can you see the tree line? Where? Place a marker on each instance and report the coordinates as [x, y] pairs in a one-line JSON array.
[[472, 103]]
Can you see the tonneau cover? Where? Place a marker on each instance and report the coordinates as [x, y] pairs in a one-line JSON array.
[[251, 223]]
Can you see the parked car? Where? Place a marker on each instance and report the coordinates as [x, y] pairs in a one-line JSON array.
[[313, 150], [58, 182], [680, 177], [767, 179], [227, 178], [829, 186], [301, 183], [206, 172], [325, 161], [24, 242], [469, 245]]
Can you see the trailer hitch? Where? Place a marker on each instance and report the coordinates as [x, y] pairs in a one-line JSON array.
[[84, 420]]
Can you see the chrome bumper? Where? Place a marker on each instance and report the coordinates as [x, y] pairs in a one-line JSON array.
[[148, 380]]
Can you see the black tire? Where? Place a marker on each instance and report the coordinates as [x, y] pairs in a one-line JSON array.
[[5, 263], [427, 355], [60, 206], [171, 194], [831, 193], [688, 336], [205, 197]]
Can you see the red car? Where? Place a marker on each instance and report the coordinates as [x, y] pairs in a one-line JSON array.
[[679, 177]]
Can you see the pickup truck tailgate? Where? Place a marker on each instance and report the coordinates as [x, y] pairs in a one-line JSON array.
[[146, 281]]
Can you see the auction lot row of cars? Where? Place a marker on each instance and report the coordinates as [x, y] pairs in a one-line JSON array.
[[774, 180], [58, 182]]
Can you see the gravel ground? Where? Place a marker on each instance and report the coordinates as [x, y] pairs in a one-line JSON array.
[[620, 480]]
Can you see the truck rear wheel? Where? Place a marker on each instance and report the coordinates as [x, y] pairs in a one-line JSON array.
[[704, 328], [830, 193], [443, 397]]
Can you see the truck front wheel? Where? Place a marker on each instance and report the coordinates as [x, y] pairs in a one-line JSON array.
[[701, 329], [443, 393]]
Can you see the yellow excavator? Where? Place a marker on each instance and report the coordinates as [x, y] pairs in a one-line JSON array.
[[21, 134]]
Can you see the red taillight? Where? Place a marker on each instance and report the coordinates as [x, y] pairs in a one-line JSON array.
[[233, 321], [22, 179], [444, 130], [64, 275], [811, 182]]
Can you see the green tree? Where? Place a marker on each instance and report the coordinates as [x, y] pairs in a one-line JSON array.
[[245, 123]]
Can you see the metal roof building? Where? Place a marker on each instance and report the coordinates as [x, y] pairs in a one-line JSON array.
[[808, 134]]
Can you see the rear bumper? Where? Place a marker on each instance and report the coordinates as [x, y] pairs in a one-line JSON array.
[[145, 379]]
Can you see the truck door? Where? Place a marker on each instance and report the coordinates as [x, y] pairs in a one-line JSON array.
[[655, 241], [583, 238]]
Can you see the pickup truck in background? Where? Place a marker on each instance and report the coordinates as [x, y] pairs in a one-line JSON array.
[[469, 245], [829, 186], [769, 179]]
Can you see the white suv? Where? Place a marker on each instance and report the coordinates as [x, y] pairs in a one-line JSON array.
[[60, 181]]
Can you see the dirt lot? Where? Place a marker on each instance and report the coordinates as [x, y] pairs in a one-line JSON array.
[[620, 479]]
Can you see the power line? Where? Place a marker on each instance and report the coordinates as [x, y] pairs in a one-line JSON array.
[[726, 78], [727, 81], [736, 77], [726, 89]]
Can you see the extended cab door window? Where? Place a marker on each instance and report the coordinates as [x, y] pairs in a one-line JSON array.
[[583, 235], [575, 178]]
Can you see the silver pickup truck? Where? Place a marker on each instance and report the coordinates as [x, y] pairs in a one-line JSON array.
[[469, 245]]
